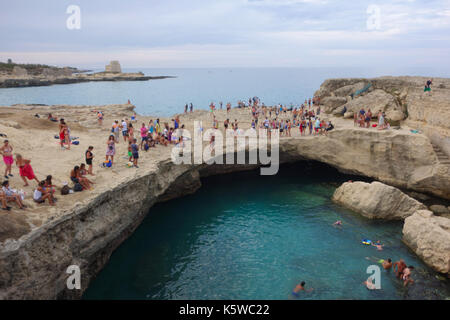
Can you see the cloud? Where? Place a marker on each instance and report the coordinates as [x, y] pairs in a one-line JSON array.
[[223, 32]]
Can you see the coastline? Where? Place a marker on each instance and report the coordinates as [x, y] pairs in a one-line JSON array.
[[86, 228], [39, 81]]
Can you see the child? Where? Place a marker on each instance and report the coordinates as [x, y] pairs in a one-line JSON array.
[[89, 157], [130, 153], [135, 152]]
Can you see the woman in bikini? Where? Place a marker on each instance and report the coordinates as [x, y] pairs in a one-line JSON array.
[[25, 169], [83, 173], [6, 151]]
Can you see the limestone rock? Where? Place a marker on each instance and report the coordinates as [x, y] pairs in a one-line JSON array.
[[348, 90], [19, 72], [429, 237], [331, 103], [376, 200], [439, 209], [349, 115], [330, 85], [375, 101]]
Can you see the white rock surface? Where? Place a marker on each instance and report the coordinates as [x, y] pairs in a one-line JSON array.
[[376, 200]]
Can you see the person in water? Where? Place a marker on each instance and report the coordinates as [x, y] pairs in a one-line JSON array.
[[338, 223], [300, 287], [399, 268], [406, 277], [378, 245], [387, 264], [369, 284]]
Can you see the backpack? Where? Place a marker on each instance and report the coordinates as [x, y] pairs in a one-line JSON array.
[[107, 164], [65, 190], [77, 187]]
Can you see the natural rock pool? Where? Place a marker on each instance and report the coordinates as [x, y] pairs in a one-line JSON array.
[[246, 236]]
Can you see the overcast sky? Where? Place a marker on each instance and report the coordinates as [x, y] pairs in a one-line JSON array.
[[227, 33]]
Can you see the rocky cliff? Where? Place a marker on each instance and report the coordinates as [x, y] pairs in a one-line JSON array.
[[376, 200], [402, 98], [429, 237]]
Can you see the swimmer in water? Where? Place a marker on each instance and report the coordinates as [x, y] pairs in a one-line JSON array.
[[300, 287], [378, 245], [387, 264], [406, 277], [338, 223], [399, 268], [369, 284]]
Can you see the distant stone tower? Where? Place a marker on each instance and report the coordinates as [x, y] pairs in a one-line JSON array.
[[113, 67]]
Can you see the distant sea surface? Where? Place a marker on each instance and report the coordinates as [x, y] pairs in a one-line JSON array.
[[200, 87]]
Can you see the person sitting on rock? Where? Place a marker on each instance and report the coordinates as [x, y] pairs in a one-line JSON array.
[[12, 195], [3, 200], [41, 193]]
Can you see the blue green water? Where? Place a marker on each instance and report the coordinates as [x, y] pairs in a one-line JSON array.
[[245, 236]]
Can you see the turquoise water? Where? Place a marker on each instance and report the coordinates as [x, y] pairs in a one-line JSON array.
[[199, 86], [245, 236]]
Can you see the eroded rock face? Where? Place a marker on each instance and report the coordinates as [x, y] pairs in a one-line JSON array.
[[402, 98], [331, 103], [403, 160], [429, 237], [377, 100], [376, 200]]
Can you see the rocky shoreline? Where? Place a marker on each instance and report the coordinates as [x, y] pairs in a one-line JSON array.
[[85, 231], [39, 81]]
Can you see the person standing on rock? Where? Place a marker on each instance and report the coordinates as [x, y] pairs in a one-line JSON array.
[[6, 151], [135, 153], [89, 157], [428, 86], [124, 127], [25, 169], [111, 149]]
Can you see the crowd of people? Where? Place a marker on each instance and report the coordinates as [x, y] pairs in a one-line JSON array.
[[363, 119], [44, 190]]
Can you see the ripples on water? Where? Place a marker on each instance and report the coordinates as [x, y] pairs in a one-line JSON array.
[[246, 236]]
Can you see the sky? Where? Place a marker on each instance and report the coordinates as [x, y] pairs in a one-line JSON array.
[[227, 33]]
